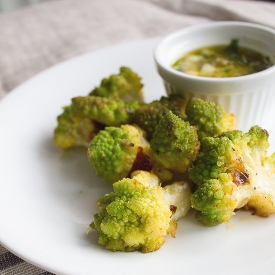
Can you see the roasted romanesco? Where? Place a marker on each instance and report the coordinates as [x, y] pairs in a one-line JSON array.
[[233, 171], [111, 104], [163, 158], [113, 151], [103, 110], [126, 86], [82, 120], [209, 118], [175, 143], [136, 216], [147, 116]]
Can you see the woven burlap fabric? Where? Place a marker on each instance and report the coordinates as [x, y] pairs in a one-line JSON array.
[[37, 37], [40, 36]]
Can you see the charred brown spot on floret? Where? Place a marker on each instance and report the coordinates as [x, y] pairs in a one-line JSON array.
[[173, 209], [239, 174], [251, 209], [266, 133], [142, 162], [240, 177]]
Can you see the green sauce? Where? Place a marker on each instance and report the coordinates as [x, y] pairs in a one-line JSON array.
[[223, 61]]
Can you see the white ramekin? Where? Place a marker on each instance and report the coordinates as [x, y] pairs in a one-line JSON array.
[[250, 97]]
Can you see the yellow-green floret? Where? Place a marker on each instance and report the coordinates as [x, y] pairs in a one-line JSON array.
[[175, 143], [111, 104], [126, 86], [74, 130], [233, 171], [147, 116], [104, 110], [133, 217], [112, 151], [86, 115], [209, 118]]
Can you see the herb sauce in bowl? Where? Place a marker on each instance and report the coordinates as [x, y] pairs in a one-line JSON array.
[[223, 61]]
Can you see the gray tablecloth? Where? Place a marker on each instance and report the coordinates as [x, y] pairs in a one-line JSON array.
[[37, 37]]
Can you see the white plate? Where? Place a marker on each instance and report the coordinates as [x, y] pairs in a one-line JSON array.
[[47, 199]]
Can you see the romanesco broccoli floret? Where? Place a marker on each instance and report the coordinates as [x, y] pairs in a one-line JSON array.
[[126, 86], [177, 194], [104, 110], [86, 115], [112, 103], [132, 218], [139, 213], [74, 130], [233, 171], [209, 118], [114, 151], [147, 116], [175, 143]]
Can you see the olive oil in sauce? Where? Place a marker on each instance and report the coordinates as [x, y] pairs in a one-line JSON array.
[[223, 61]]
